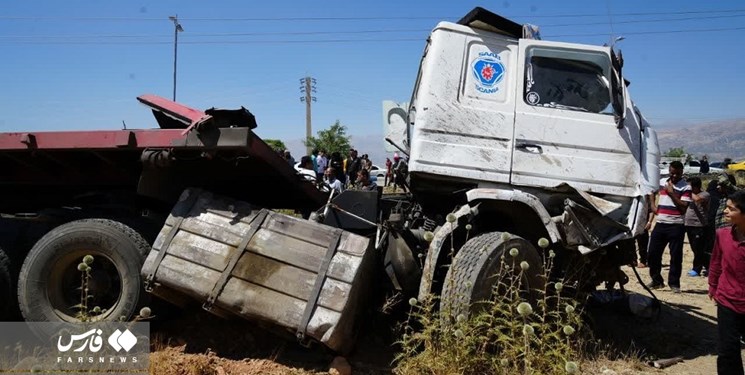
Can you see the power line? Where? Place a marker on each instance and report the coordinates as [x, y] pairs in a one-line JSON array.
[[657, 32], [659, 20], [309, 41], [264, 33], [337, 32], [371, 18], [324, 41], [635, 14]]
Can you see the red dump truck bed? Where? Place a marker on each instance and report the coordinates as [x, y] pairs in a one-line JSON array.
[[214, 149]]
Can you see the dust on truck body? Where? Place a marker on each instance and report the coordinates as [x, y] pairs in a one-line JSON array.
[[542, 137], [510, 139]]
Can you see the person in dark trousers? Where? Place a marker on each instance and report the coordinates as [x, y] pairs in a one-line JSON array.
[[727, 185], [354, 164], [674, 196], [704, 168], [710, 229], [727, 285], [695, 223], [388, 171], [400, 171]]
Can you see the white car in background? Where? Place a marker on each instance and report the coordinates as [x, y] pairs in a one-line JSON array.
[[691, 167], [377, 173]]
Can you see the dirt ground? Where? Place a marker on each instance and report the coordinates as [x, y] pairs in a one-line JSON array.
[[201, 344], [686, 327]]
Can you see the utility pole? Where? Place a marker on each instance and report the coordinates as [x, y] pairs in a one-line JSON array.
[[177, 29], [308, 86]]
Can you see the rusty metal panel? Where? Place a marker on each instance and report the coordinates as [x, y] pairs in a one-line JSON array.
[[274, 277]]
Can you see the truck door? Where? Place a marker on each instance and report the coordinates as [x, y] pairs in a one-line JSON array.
[[564, 124], [465, 107]]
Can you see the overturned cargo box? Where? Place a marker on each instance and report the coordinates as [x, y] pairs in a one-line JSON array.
[[309, 278]]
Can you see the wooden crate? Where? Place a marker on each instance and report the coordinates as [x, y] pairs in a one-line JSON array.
[[285, 263]]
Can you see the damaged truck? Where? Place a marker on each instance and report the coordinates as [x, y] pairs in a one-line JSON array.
[[510, 139]]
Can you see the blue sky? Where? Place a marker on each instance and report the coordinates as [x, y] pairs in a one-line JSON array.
[[76, 65]]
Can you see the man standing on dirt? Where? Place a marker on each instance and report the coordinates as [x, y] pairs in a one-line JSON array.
[[727, 285], [675, 194], [400, 171], [726, 186], [695, 222], [388, 171]]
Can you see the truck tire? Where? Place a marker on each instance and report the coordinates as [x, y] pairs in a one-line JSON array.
[[6, 287], [49, 281], [472, 276]]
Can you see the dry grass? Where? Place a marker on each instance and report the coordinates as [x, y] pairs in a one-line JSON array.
[[509, 334], [173, 361]]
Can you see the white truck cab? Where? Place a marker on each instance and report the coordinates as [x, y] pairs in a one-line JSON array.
[[490, 107], [497, 108]]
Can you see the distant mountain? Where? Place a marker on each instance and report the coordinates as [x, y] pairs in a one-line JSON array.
[[717, 139]]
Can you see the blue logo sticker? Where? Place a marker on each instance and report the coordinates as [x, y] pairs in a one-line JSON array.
[[489, 71]]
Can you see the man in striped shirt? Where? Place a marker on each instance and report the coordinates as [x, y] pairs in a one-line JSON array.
[[674, 196]]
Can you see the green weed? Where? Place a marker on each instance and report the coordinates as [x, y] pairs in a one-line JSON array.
[[538, 332]]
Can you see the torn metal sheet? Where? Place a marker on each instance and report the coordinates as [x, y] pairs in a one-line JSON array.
[[587, 229], [603, 206]]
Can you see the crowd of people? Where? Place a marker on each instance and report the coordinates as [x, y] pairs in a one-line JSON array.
[[355, 171], [714, 221]]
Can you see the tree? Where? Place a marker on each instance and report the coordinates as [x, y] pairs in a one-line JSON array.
[[276, 144], [333, 139], [676, 152]]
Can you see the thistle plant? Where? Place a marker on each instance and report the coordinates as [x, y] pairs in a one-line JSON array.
[[84, 313], [451, 219], [513, 332]]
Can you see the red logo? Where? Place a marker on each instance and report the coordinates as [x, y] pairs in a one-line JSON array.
[[487, 72]]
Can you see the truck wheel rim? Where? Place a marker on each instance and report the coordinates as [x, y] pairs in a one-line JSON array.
[[64, 286]]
